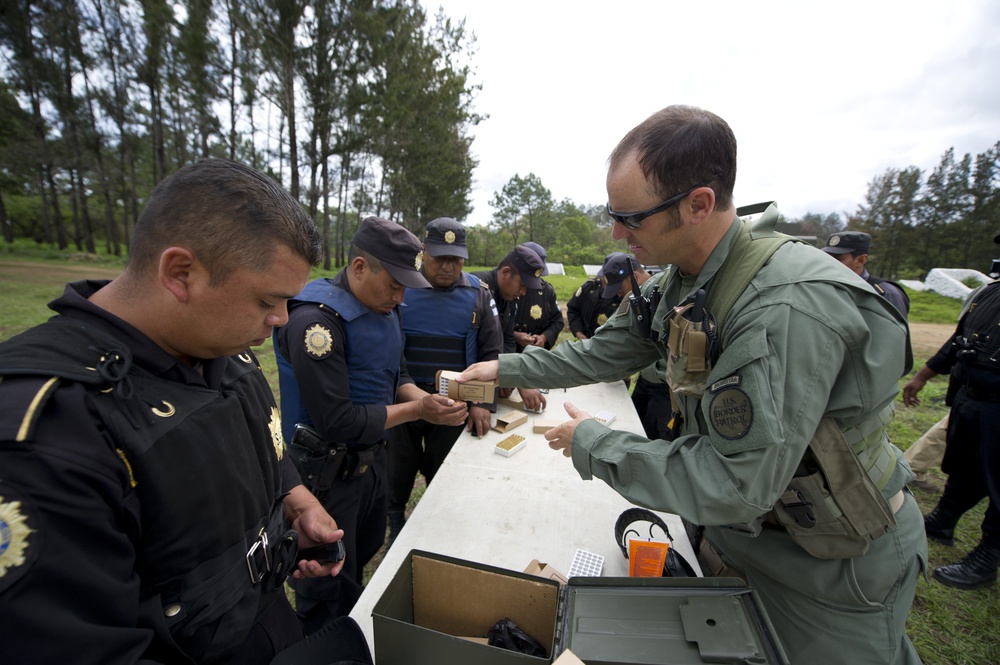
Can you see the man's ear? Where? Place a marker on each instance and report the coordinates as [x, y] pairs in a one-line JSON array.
[[359, 266], [701, 203], [862, 260], [175, 271]]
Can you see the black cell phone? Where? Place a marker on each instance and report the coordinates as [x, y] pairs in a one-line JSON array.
[[327, 553]]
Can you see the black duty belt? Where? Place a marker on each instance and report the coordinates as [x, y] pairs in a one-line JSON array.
[[982, 395]]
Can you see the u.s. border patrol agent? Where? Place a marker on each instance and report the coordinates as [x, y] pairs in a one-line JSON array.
[[539, 319], [784, 368], [343, 375]]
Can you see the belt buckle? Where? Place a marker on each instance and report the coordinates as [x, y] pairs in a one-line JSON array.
[[259, 553], [749, 529]]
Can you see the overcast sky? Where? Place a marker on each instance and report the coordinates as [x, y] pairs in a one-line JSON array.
[[821, 97]]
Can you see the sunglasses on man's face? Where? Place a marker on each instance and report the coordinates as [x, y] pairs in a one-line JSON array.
[[632, 220]]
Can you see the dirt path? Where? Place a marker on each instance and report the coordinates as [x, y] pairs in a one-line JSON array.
[[51, 273], [927, 338]]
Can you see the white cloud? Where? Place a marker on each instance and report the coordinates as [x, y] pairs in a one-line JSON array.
[[822, 98]]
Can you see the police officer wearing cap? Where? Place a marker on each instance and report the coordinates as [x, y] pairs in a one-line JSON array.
[[852, 249], [343, 375], [519, 271], [589, 309], [448, 326], [539, 319]]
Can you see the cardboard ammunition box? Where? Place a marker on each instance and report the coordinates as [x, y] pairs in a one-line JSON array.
[[470, 391], [508, 420], [541, 426], [434, 603], [539, 569]]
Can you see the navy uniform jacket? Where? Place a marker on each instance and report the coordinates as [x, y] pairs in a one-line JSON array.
[[538, 313], [506, 309], [587, 310], [78, 572]]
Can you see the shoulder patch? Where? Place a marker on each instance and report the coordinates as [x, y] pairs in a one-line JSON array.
[[730, 412], [318, 341], [623, 307], [19, 537], [579, 291]]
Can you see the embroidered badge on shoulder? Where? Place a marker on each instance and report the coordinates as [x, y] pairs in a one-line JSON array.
[[622, 308], [730, 412], [318, 341], [579, 290], [276, 437], [535, 312], [17, 547]]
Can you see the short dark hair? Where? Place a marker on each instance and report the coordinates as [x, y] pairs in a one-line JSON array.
[[680, 147], [373, 263], [228, 214]]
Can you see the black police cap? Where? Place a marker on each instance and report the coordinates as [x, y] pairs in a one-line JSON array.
[[397, 249]]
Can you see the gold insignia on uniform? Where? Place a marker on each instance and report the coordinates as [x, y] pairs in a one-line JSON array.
[[319, 341], [14, 532], [731, 413], [276, 438], [835, 240], [602, 318], [449, 237], [535, 312], [579, 291], [538, 273], [418, 261]]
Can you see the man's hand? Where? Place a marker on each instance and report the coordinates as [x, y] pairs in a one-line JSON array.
[[315, 527], [533, 399], [484, 371], [538, 340], [581, 335], [442, 410], [561, 436], [479, 420], [916, 384]]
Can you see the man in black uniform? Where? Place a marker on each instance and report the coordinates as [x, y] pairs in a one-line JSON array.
[[539, 319], [146, 503], [852, 248], [448, 326], [519, 271], [972, 452], [342, 374], [588, 310]]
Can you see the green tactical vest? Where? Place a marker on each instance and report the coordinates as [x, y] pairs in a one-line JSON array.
[[834, 504]]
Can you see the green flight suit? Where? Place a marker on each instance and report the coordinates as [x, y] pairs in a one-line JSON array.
[[806, 339]]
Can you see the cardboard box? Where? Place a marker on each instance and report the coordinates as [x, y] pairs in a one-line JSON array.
[[434, 602], [509, 420], [514, 401], [470, 391], [544, 570], [542, 426]]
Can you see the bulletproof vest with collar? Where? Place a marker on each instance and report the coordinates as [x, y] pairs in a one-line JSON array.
[[441, 330], [199, 600]]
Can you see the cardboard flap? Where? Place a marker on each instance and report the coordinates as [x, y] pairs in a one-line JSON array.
[[460, 600]]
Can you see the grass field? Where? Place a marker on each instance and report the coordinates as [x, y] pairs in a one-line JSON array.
[[948, 626]]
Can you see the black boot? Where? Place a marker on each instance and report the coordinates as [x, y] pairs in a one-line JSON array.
[[977, 570], [940, 526]]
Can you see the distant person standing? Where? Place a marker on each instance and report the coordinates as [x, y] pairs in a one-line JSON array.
[[852, 248], [972, 453], [588, 309], [539, 319]]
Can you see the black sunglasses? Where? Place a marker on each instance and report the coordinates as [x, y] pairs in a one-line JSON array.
[[632, 220]]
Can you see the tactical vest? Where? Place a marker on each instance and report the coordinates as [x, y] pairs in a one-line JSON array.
[[197, 593], [442, 331], [373, 344], [834, 503]]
